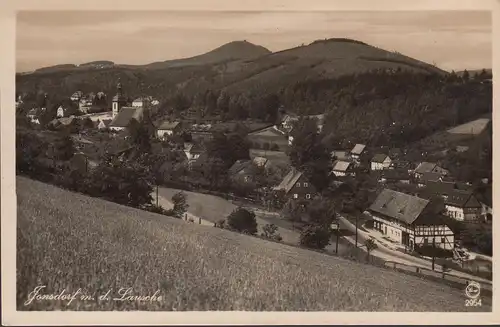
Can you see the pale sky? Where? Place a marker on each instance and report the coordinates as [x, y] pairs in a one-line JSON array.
[[450, 39]]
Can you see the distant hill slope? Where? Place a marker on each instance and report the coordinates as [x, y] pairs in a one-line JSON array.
[[69, 241], [232, 51], [237, 66]]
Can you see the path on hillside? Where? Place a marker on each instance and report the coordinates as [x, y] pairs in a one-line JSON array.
[[167, 204], [390, 255]]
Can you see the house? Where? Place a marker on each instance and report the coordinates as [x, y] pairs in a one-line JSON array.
[[380, 162], [410, 221], [429, 177], [296, 185], [76, 96], [192, 151], [288, 121], [342, 168], [200, 131], [357, 151], [240, 171], [98, 116], [269, 138], [463, 206], [34, 114], [439, 189], [429, 167], [167, 128], [122, 120], [486, 205], [104, 123], [395, 176], [141, 102]]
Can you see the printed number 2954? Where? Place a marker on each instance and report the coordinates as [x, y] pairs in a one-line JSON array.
[[473, 302]]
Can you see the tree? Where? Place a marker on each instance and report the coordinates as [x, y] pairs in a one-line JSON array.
[[140, 136], [242, 221], [308, 154], [370, 245], [465, 76], [63, 148], [123, 182], [270, 231], [180, 205], [228, 148], [315, 237]]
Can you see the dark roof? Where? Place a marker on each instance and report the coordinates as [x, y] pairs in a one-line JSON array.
[[430, 177], [168, 125], [395, 174], [289, 181], [440, 188], [400, 206], [124, 116], [425, 167], [379, 157], [462, 199], [238, 166]]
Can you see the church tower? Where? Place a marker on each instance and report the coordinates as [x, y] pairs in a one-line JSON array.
[[118, 100]]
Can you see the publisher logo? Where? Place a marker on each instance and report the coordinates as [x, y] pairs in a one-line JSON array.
[[473, 290]]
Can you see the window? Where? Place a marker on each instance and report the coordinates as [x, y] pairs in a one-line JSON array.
[[426, 241], [308, 196], [306, 184], [443, 240], [295, 196], [298, 184]]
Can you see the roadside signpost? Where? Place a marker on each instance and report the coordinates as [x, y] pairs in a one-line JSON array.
[[335, 226]]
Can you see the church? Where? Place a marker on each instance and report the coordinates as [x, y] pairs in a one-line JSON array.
[[123, 112]]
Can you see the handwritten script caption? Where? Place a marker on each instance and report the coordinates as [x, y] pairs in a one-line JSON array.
[[122, 295]]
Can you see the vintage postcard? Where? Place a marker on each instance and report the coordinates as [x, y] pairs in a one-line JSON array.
[[270, 163]]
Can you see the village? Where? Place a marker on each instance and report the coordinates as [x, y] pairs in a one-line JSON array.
[[411, 208]]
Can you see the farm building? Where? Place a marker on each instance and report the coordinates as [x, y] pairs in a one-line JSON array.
[[380, 162], [410, 220], [269, 138], [429, 167], [168, 128], [463, 206], [343, 168], [357, 151], [296, 186], [395, 176]]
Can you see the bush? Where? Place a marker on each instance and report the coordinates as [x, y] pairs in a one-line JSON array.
[[266, 146], [315, 237], [270, 231], [274, 147], [243, 221], [157, 209], [180, 205]]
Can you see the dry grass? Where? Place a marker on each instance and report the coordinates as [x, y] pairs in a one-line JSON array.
[[67, 240]]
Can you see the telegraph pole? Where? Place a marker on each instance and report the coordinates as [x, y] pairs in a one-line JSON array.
[[337, 243], [356, 230]]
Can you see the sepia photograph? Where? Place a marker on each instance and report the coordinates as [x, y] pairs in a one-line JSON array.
[[293, 161]]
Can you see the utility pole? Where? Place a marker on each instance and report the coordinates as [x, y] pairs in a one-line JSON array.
[[433, 246], [356, 230], [337, 243], [156, 193]]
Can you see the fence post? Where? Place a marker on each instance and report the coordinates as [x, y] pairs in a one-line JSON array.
[[199, 220]]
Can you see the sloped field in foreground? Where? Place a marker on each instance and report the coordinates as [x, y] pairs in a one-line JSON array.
[[70, 241]]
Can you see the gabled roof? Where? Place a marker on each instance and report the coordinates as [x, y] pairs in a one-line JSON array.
[[125, 115], [379, 158], [341, 165], [403, 207], [339, 154], [430, 177], [462, 199], [358, 149], [396, 174], [168, 125], [440, 188], [192, 148], [238, 166], [289, 181], [425, 167]]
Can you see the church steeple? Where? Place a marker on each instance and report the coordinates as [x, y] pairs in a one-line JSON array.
[[118, 100]]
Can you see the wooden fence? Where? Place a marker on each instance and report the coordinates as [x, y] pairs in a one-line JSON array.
[[436, 275]]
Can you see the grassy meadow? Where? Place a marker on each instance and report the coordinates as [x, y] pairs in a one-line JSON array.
[[70, 241]]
